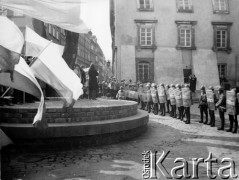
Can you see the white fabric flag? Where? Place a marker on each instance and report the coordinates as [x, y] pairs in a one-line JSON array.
[[63, 13], [35, 44], [11, 43], [51, 68], [24, 80]]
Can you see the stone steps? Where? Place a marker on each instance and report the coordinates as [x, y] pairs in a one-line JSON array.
[[95, 130]]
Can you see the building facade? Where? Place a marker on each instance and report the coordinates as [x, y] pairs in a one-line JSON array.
[[165, 41], [89, 51]]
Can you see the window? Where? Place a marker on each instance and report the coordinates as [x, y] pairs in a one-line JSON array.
[[49, 29], [63, 32], [143, 72], [222, 70], [57, 34], [221, 40], [53, 32], [220, 6], [146, 36], [145, 5], [184, 6], [186, 35], [17, 14]]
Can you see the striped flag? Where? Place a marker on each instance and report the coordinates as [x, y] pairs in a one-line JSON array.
[[11, 43], [51, 68], [24, 80], [63, 13]]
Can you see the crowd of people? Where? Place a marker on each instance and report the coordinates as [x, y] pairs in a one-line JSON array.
[[176, 100]]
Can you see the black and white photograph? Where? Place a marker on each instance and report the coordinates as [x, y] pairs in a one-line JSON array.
[[119, 89]]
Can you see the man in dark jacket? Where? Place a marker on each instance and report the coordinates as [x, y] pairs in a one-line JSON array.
[[203, 105], [221, 105]]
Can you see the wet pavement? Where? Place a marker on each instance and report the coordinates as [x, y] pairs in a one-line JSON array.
[[123, 161]]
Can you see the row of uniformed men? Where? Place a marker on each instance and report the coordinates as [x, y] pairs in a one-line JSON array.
[[224, 103], [157, 98]]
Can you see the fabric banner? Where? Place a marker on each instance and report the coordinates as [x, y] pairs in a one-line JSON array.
[[35, 44], [231, 102], [51, 68], [62, 13], [24, 80], [211, 100], [11, 44]]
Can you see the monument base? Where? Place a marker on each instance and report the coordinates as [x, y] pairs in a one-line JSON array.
[[88, 122]]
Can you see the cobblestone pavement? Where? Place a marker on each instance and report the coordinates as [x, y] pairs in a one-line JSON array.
[[123, 161]]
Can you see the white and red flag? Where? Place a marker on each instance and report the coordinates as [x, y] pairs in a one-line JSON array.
[[22, 78], [51, 68], [62, 13]]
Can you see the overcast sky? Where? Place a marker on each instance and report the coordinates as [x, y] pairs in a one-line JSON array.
[[95, 14]]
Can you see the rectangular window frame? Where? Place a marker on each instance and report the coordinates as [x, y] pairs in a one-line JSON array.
[[148, 24], [223, 27], [186, 26], [183, 8], [220, 67], [146, 36], [147, 5], [217, 6], [143, 65]]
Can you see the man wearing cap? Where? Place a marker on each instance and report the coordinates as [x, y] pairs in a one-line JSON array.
[[149, 98], [233, 115], [211, 97], [179, 101], [162, 98], [172, 101], [154, 95], [186, 94], [121, 94], [167, 98], [203, 105], [221, 105]]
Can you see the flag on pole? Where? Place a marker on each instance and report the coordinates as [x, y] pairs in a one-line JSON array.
[[62, 13], [51, 68], [35, 44], [11, 43], [25, 81]]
